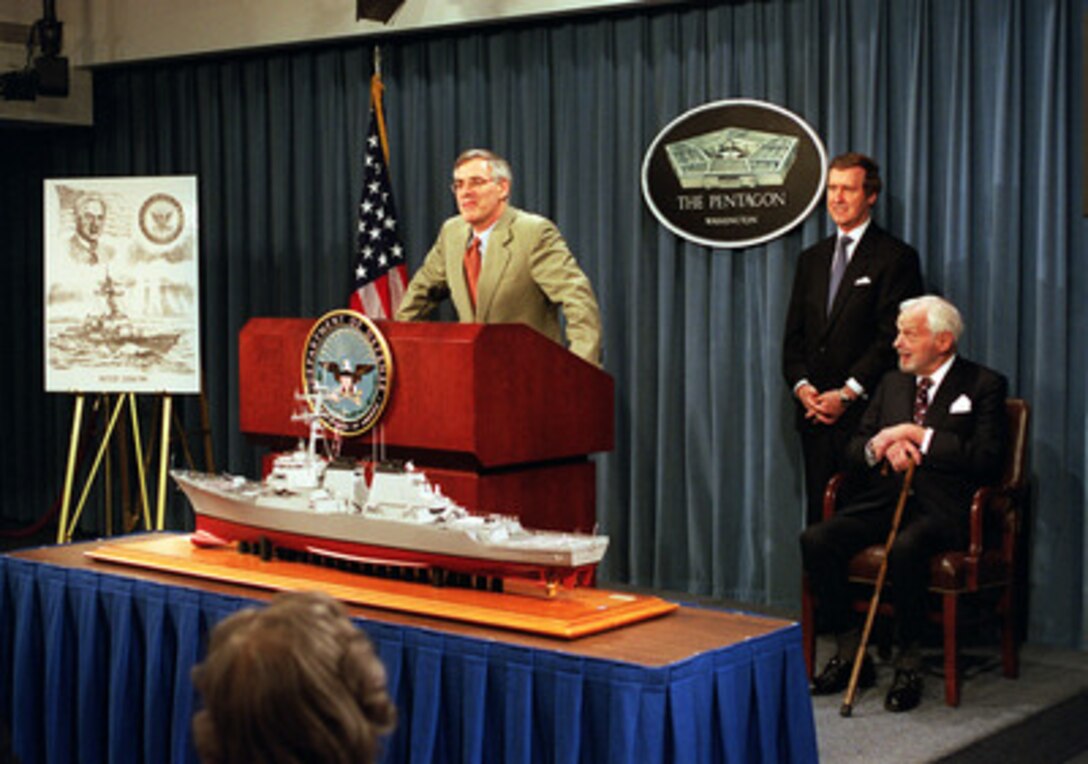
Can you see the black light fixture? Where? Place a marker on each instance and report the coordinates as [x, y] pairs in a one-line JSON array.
[[377, 10], [45, 74]]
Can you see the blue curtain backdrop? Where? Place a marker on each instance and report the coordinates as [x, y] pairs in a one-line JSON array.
[[972, 108]]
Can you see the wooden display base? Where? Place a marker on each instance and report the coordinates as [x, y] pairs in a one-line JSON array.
[[571, 613]]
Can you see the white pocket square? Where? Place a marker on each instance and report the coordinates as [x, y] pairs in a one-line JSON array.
[[961, 405], [863, 281]]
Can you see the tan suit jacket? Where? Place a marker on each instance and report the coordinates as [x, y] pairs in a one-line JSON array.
[[528, 275]]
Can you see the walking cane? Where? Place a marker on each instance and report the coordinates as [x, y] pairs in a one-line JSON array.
[[852, 689]]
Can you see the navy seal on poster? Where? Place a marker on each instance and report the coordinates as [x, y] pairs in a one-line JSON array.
[[734, 173]]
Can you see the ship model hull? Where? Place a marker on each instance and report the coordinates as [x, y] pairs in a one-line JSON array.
[[243, 512]]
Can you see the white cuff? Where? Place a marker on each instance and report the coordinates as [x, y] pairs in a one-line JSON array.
[[870, 454], [926, 440]]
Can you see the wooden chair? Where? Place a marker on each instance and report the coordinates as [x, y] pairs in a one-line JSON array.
[[988, 566]]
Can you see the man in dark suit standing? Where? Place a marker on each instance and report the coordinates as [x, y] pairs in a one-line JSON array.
[[841, 320], [946, 415]]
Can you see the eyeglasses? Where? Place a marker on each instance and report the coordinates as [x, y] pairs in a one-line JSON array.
[[473, 183]]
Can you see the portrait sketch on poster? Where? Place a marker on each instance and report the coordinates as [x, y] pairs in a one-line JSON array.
[[121, 285]]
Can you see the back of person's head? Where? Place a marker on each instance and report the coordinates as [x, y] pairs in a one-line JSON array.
[[291, 682]]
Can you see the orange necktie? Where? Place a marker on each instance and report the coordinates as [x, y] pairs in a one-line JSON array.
[[472, 267]]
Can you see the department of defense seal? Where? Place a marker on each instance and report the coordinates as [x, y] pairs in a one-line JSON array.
[[347, 361], [162, 219]]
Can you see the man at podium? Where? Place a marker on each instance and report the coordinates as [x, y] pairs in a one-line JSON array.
[[499, 264]]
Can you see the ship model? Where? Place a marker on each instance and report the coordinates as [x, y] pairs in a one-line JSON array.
[[389, 520]]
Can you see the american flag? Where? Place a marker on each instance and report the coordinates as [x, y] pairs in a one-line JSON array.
[[380, 270]]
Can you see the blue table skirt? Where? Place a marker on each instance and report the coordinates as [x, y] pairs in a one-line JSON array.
[[95, 668]]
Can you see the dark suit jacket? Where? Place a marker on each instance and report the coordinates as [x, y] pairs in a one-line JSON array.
[[855, 340], [969, 439]]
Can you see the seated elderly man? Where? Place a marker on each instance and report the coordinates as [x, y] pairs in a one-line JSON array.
[[946, 415]]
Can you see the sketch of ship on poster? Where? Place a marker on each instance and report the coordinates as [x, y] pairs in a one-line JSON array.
[[122, 285], [734, 157]]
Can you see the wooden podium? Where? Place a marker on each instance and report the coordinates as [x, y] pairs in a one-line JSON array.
[[502, 418]]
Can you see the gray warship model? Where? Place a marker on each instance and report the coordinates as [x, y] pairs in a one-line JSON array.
[[315, 505]]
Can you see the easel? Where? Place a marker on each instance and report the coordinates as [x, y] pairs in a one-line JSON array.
[[69, 519]]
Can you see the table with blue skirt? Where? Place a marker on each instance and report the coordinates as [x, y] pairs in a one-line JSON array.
[[95, 664]]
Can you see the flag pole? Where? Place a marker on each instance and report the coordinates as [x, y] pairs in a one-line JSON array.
[[376, 88], [380, 274]]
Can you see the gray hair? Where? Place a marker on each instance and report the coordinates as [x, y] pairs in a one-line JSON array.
[[941, 315], [500, 168]]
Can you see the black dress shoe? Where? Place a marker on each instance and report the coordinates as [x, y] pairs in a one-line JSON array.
[[906, 691], [836, 676]]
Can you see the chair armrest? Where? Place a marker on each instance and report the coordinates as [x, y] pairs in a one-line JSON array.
[[990, 500], [979, 502], [831, 493]]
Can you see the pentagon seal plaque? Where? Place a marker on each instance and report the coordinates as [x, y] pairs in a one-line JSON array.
[[734, 173]]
